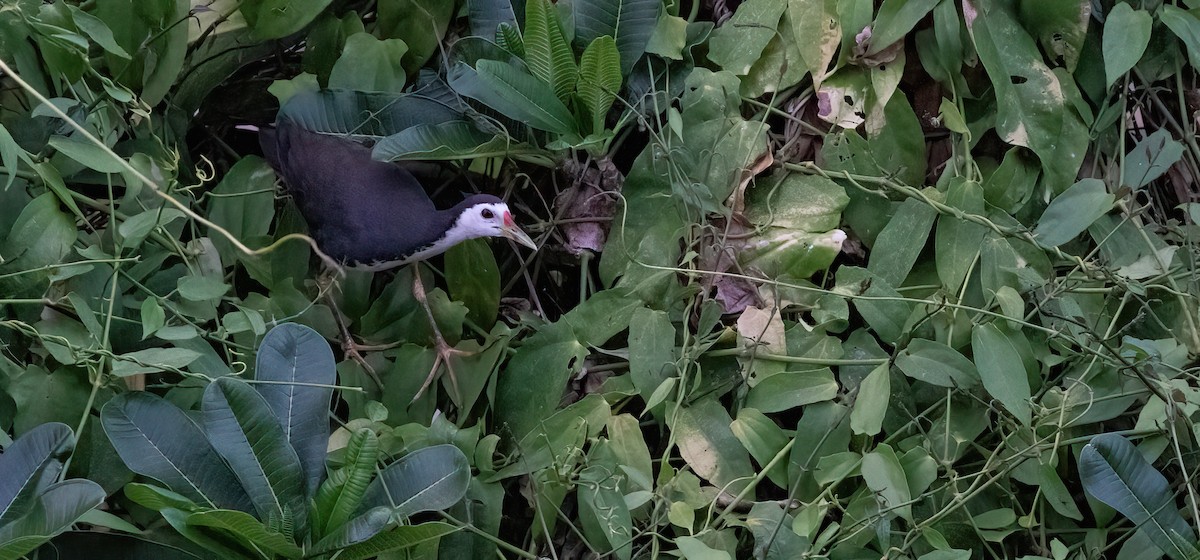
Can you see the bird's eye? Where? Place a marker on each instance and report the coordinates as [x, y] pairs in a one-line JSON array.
[[487, 214]]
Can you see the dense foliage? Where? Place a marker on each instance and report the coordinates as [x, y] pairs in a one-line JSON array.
[[817, 278]]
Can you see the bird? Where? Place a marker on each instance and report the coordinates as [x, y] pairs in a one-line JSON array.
[[375, 215]]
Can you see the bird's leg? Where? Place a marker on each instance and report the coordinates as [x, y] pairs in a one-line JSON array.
[[327, 283], [443, 349]]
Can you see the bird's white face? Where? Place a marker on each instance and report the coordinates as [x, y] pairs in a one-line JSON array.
[[492, 219], [481, 220]]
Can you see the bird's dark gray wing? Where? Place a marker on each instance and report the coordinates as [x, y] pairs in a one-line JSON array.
[[359, 210]]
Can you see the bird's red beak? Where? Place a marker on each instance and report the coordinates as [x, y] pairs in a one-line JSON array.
[[511, 231]]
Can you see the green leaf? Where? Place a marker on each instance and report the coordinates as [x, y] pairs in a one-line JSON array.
[[32, 463], [398, 538], [509, 38], [86, 153], [243, 203], [158, 499], [364, 114], [1186, 26], [486, 15], [599, 78], [201, 288], [1071, 212], [820, 24], [790, 389], [937, 364], [1114, 472], [369, 64], [1001, 370], [651, 351], [895, 20], [739, 42], [298, 366], [871, 404], [152, 360], [156, 439], [1126, 34], [547, 53], [98, 31], [428, 479], [957, 241], [421, 24], [473, 277], [603, 514], [342, 492], [515, 93], [669, 38], [901, 241], [134, 230], [10, 156], [1033, 108], [528, 389], [357, 530], [1150, 158], [884, 475], [629, 22], [248, 530], [54, 511], [706, 442], [763, 439], [450, 140], [247, 435], [275, 19]]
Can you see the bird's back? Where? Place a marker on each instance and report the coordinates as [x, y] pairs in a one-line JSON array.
[[359, 210]]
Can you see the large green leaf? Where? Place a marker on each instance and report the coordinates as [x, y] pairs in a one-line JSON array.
[[450, 140], [243, 203], [629, 22], [895, 20], [957, 241], [356, 530], [706, 442], [1033, 108], [1150, 158], [41, 236], [30, 464], [487, 15], [937, 364], [1114, 472], [297, 367], [901, 241], [369, 64], [739, 42], [546, 50], [1001, 370], [398, 538], [428, 479], [515, 93], [247, 529], [363, 114], [1071, 212], [341, 493], [599, 78], [884, 475], [95, 545], [421, 24], [247, 435], [529, 388], [473, 277], [1126, 34], [156, 439], [275, 19], [55, 510]]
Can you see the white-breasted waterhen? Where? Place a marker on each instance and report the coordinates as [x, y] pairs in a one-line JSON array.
[[375, 215]]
